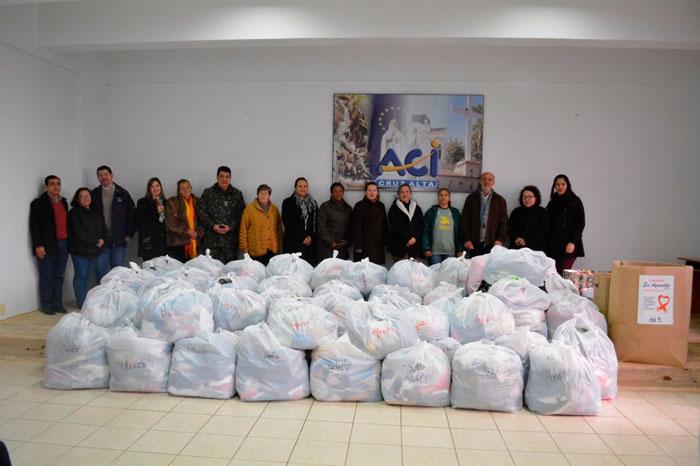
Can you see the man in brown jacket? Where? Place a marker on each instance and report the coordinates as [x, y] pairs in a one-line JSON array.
[[484, 218]]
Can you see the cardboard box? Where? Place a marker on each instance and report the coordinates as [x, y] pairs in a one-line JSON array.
[[649, 312], [601, 297]]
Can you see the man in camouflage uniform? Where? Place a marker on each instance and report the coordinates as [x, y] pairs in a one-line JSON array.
[[220, 210]]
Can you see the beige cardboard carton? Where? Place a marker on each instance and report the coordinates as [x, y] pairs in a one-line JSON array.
[[649, 312]]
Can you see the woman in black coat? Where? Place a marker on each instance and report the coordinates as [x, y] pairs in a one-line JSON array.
[[87, 233], [528, 224], [405, 226], [334, 230], [299, 212], [369, 226], [567, 220], [150, 221]]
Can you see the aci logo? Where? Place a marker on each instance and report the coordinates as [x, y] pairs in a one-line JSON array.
[[413, 163]]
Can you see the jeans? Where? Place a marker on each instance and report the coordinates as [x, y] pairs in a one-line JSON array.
[[438, 258], [52, 270], [83, 270], [111, 256]]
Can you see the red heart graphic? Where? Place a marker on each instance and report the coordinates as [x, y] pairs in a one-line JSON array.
[[663, 303]]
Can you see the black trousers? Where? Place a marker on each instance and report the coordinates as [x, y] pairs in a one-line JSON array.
[[264, 259]]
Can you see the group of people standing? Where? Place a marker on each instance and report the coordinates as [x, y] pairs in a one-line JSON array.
[[101, 222]]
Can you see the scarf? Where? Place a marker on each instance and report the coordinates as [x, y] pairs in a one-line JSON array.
[[308, 207], [191, 247], [411, 208]]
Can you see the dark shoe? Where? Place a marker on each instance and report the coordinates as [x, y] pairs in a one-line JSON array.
[[61, 310], [48, 312]]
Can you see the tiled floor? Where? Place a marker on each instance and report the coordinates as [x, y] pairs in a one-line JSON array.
[[97, 427]]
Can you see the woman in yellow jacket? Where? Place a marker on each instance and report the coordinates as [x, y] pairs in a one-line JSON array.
[[261, 229]]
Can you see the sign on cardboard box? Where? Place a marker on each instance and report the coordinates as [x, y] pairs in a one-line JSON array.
[[655, 303]]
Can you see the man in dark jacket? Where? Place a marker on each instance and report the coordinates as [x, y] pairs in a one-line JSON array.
[[484, 218], [48, 225], [220, 209], [117, 208]]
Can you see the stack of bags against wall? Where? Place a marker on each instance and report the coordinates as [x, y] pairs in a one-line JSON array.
[[76, 355], [526, 302]]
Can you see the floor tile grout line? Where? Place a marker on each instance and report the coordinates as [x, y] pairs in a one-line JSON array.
[[289, 458], [500, 434], [352, 428], [449, 427]]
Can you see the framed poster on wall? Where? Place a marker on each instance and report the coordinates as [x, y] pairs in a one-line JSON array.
[[429, 141]]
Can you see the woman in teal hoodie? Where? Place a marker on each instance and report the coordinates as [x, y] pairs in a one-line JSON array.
[[441, 234]]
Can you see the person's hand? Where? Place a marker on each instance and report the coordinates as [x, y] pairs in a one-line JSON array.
[[427, 253], [519, 241], [126, 239], [411, 241], [570, 248], [40, 252], [497, 243], [100, 243], [307, 241], [469, 246]]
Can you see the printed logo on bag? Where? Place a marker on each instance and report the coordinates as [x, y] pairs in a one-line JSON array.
[[422, 323], [380, 332]]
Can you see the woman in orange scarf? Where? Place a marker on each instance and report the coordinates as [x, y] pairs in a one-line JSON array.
[[181, 223]]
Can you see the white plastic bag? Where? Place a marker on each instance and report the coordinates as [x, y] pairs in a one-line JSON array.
[[246, 267], [337, 287], [237, 309], [179, 313], [379, 329], [299, 324], [267, 370], [532, 319], [518, 293], [284, 285], [231, 280], [132, 278], [487, 377], [213, 267], [566, 305], [595, 345], [290, 264], [431, 322], [561, 381], [342, 372], [199, 278], [363, 275], [329, 269], [396, 295], [455, 270], [161, 265], [339, 306], [526, 263], [76, 355], [111, 306], [448, 302], [448, 345], [476, 272], [418, 375], [203, 366], [480, 316], [555, 282], [414, 275], [442, 290], [138, 364], [522, 341]]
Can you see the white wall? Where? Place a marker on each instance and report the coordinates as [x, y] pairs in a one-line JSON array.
[[38, 128], [623, 124]]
